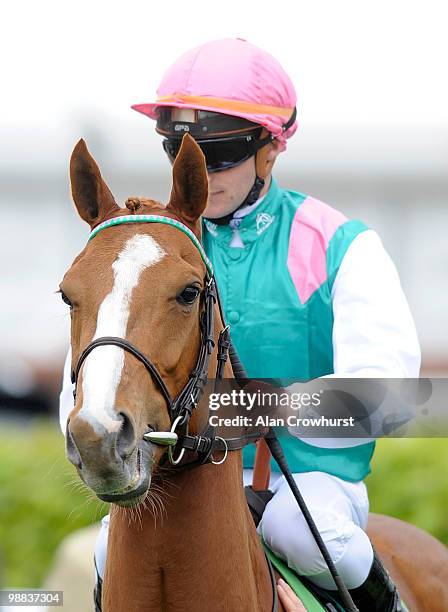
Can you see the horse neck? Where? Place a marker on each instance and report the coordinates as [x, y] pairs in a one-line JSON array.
[[202, 552]]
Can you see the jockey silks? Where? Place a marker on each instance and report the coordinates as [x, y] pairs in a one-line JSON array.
[[277, 294]]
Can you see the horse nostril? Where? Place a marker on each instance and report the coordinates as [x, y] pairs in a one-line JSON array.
[[72, 450], [125, 437]]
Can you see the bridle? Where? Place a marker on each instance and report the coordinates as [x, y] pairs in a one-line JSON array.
[[181, 408]]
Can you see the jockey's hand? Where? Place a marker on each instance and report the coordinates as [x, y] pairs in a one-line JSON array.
[[288, 598], [271, 404]]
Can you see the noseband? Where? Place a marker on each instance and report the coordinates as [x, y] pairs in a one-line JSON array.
[[180, 408]]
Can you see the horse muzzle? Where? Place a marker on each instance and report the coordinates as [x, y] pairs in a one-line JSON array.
[[116, 466]]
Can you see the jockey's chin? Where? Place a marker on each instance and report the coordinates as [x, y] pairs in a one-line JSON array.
[[228, 188]]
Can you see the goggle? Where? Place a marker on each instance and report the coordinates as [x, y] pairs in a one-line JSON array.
[[222, 153]]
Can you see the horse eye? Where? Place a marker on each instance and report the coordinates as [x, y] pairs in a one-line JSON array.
[[188, 295], [66, 300]]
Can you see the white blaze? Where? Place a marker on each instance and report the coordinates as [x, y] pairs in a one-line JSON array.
[[103, 367]]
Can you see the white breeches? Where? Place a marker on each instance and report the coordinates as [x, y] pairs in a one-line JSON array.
[[340, 510]]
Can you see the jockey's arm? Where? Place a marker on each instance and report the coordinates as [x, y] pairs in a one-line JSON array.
[[373, 331], [374, 335]]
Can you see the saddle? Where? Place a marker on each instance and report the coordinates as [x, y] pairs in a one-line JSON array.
[[313, 598]]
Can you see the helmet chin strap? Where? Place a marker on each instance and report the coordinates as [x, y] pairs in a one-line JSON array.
[[262, 170], [251, 198]]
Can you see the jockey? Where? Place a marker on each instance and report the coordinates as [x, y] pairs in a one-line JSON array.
[[307, 292]]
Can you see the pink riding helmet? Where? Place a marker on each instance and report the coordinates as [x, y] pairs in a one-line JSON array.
[[233, 77]]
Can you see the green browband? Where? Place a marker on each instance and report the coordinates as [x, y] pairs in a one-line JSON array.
[[156, 219]]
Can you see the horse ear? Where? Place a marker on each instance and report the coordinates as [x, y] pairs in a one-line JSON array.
[[91, 195], [189, 194]]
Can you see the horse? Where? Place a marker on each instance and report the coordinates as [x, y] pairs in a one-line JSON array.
[[139, 294]]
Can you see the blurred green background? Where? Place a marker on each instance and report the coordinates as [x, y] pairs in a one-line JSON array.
[[42, 500]]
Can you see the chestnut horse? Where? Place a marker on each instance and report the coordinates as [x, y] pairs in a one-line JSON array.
[[145, 283]]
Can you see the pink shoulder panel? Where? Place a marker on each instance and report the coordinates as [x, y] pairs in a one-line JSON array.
[[312, 228]]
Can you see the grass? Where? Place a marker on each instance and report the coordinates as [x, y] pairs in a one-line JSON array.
[[409, 481], [42, 500]]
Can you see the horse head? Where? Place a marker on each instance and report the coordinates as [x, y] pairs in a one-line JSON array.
[[143, 285]]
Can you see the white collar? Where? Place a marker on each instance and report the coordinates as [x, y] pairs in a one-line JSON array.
[[245, 210]]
